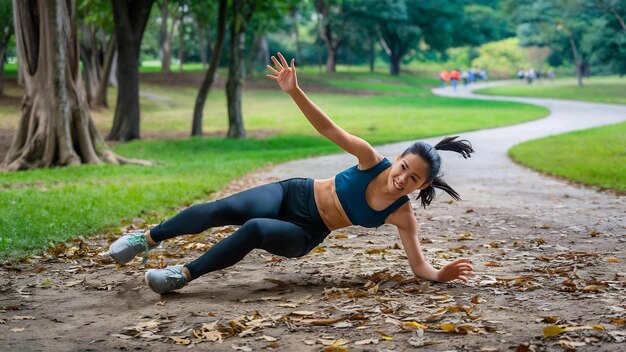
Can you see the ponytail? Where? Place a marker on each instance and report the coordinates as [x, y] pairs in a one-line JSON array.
[[463, 146], [428, 194]]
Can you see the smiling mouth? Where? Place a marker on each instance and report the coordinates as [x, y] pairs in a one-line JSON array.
[[395, 184]]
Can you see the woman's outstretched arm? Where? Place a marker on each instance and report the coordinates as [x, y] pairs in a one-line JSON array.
[[407, 228], [285, 75]]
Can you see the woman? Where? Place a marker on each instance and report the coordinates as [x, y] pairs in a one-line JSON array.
[[291, 217]]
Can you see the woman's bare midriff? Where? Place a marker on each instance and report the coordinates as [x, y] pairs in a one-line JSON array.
[[328, 204]]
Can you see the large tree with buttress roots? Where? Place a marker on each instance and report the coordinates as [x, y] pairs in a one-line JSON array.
[[55, 127]]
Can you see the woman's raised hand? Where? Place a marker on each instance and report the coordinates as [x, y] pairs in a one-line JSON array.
[[284, 74], [459, 269]]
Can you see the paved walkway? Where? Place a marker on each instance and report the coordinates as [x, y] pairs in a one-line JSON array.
[[490, 178]]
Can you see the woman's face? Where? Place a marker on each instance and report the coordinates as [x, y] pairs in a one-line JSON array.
[[408, 174]]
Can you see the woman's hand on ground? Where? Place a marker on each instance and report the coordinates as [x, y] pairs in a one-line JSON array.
[[284, 74], [459, 269]]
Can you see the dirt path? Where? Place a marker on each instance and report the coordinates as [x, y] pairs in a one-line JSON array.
[[547, 253]]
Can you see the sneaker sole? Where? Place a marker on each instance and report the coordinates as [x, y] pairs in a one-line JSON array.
[[147, 280], [115, 259]]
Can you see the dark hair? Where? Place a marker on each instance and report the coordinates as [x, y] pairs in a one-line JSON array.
[[430, 155]]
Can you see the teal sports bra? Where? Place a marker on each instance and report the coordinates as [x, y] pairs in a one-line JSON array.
[[350, 186]]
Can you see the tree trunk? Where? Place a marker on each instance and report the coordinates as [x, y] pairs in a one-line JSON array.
[[330, 60], [5, 38], [372, 53], [579, 72], [233, 86], [165, 38], [332, 49], [88, 55], [130, 23], [203, 92], [578, 62], [20, 75], [395, 64], [242, 11], [113, 75], [103, 86], [2, 50], [326, 34], [294, 21], [181, 46], [55, 127]]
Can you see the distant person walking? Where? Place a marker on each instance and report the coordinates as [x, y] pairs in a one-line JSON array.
[[454, 78], [483, 75], [530, 75], [444, 77]]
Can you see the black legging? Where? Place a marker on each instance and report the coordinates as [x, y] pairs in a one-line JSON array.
[[281, 218]]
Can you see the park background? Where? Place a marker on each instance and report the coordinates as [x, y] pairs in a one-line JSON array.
[[181, 85]]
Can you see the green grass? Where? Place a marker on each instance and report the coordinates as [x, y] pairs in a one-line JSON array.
[[595, 89], [593, 157], [44, 206]]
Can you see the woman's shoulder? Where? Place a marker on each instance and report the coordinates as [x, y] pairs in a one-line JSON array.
[[369, 161], [403, 216]]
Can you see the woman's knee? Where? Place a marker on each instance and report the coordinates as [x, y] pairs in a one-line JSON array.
[[254, 231]]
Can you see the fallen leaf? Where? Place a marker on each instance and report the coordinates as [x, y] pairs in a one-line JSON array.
[[302, 313], [335, 349], [267, 338], [413, 325], [591, 288], [465, 237], [384, 336], [332, 342], [17, 329], [211, 336], [288, 305], [550, 319], [612, 260], [241, 348], [377, 251], [367, 342], [552, 330], [617, 321], [477, 300], [571, 344], [180, 340], [447, 327]]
